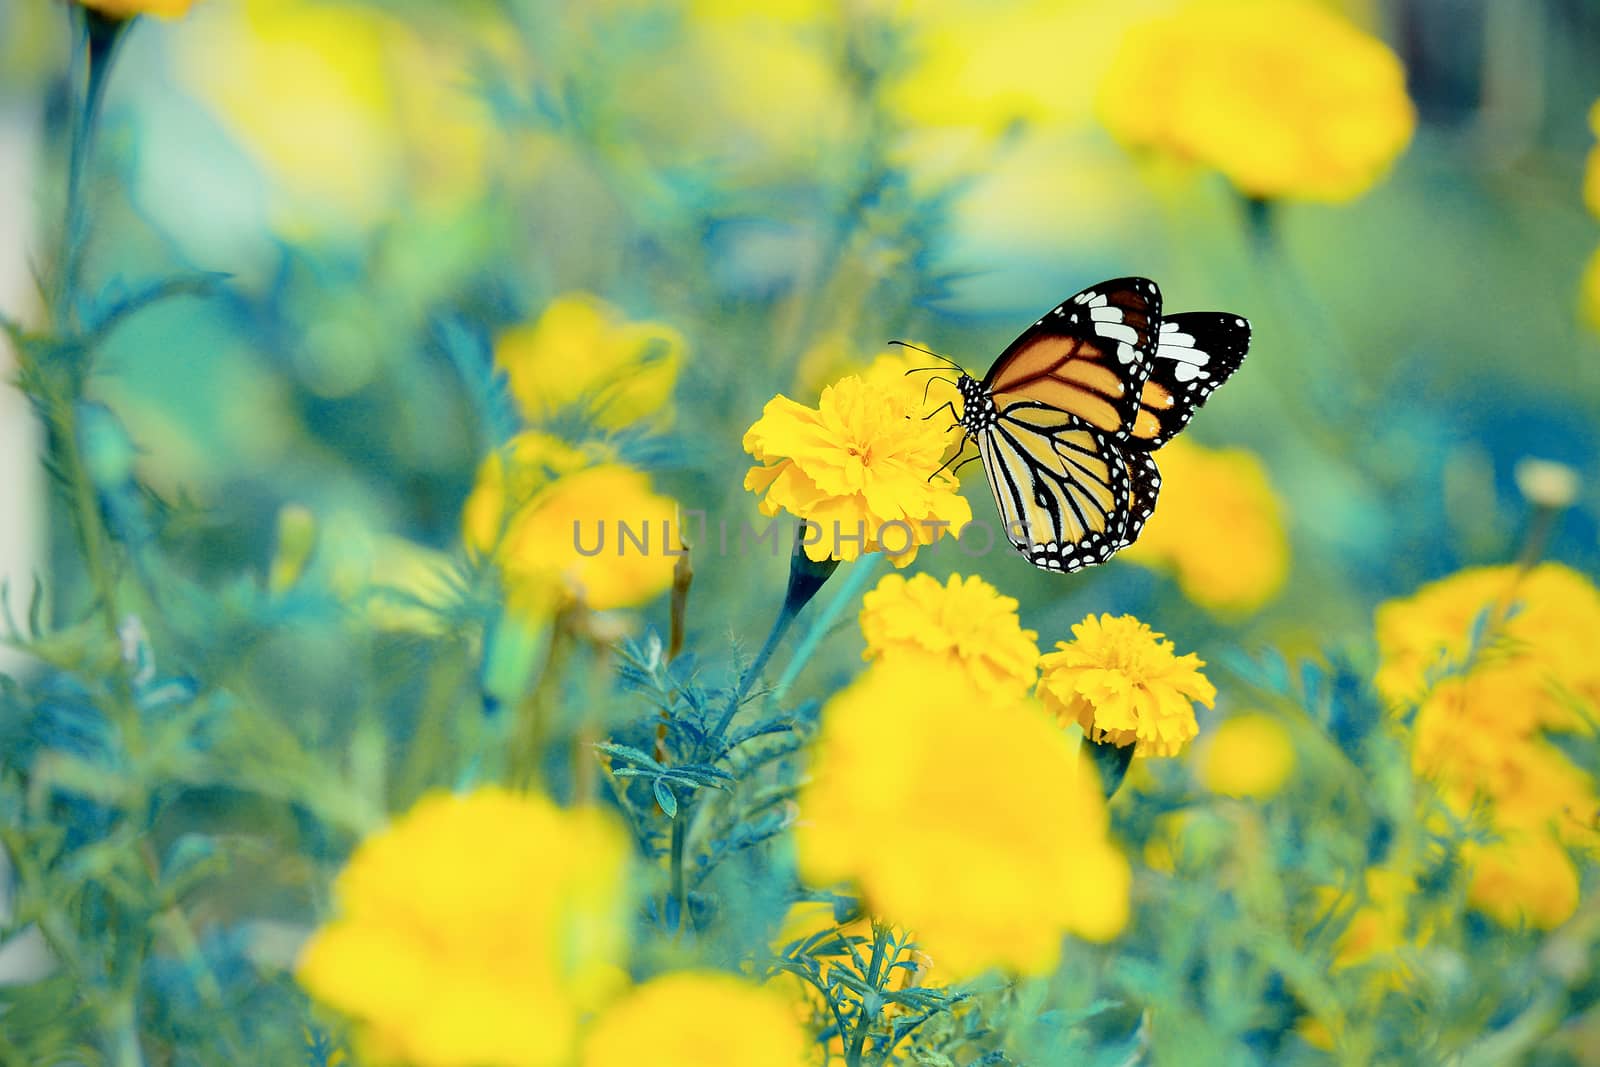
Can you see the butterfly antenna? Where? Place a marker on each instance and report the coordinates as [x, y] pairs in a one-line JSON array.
[[929, 352], [946, 465]]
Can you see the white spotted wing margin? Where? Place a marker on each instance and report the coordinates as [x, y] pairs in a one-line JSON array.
[[1060, 486], [1196, 352]]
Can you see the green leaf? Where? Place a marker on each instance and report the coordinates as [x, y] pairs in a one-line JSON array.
[[664, 797]]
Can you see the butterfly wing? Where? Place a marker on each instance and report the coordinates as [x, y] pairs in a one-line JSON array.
[[1060, 484], [1144, 482], [1196, 352], [1089, 356]]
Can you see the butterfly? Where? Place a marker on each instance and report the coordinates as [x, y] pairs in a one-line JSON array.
[[1068, 417]]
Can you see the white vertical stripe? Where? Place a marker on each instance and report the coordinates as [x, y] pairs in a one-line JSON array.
[[24, 957]]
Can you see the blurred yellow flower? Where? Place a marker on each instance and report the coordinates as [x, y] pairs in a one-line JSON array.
[[580, 354], [1377, 928], [509, 477], [398, 584], [1591, 173], [1523, 879], [364, 108], [1248, 756], [1461, 745], [742, 94], [698, 1019], [856, 466], [1544, 622], [960, 814], [1285, 98], [601, 537], [1217, 526], [965, 621], [475, 930], [123, 9], [1122, 683], [1589, 292], [992, 65]]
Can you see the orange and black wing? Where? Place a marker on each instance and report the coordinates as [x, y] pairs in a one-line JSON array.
[[1196, 352], [1089, 356], [1061, 486]]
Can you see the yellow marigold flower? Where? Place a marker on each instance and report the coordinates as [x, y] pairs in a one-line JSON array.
[[1218, 527], [857, 467], [979, 834], [1462, 744], [601, 537], [698, 1019], [990, 66], [1247, 756], [1287, 99], [508, 479], [1545, 621], [581, 354], [1523, 879], [834, 357], [1377, 929], [1591, 173], [1122, 683], [475, 930], [127, 9], [965, 621]]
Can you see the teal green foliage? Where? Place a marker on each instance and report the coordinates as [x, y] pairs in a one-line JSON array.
[[188, 755]]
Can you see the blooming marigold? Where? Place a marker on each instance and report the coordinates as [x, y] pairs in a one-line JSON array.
[[857, 466], [960, 814], [127, 9], [1522, 879], [475, 929], [564, 528], [580, 354], [698, 1019], [1218, 526], [1287, 99], [965, 621], [1247, 756], [1543, 622], [1122, 683]]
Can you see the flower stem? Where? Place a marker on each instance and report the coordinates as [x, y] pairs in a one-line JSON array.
[[806, 576], [1111, 763], [680, 882], [869, 1004], [101, 36], [845, 595]]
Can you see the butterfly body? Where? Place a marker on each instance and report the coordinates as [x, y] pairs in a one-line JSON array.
[[1067, 417]]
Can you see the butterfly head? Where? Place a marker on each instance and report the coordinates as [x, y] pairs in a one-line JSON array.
[[977, 406]]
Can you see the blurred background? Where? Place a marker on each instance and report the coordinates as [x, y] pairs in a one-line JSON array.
[[788, 186], [768, 180], [366, 205]]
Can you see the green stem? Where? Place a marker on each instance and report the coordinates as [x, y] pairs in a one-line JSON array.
[[101, 36], [854, 583], [123, 1036], [680, 881], [869, 1004], [780, 626]]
